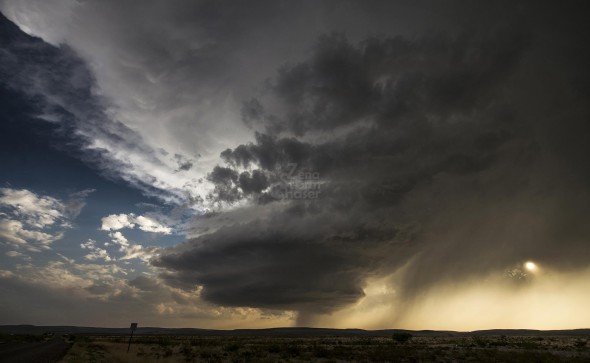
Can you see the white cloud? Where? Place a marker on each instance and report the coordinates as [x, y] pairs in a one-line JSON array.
[[119, 239], [29, 220], [128, 250], [36, 211], [116, 222], [67, 259], [96, 253], [10, 232], [149, 225], [132, 250], [138, 251], [17, 254], [14, 233], [6, 274]]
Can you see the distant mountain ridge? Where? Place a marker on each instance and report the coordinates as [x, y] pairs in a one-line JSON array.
[[33, 329]]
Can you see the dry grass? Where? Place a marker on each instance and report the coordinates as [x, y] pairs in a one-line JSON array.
[[99, 351], [167, 349]]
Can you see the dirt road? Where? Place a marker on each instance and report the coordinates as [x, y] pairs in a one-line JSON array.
[[42, 352]]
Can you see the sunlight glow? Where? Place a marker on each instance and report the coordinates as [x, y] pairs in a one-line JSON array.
[[530, 266]]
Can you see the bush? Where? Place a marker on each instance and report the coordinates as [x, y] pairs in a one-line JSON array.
[[274, 348], [402, 337], [232, 347]]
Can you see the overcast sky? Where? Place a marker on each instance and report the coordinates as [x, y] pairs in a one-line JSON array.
[[226, 164]]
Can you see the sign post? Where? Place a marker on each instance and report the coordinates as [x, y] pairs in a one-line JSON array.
[[133, 327]]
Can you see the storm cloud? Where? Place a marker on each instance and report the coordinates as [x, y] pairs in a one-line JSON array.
[[433, 161], [327, 152]]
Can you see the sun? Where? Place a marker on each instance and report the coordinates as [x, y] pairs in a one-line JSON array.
[[531, 266]]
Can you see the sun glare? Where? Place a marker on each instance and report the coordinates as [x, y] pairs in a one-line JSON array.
[[531, 266]]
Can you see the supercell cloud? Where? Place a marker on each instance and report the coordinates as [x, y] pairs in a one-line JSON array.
[[423, 154], [378, 161]]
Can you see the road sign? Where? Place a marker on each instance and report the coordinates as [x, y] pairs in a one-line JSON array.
[[133, 326]]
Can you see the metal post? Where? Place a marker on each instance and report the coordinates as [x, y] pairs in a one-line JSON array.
[[133, 327], [129, 345]]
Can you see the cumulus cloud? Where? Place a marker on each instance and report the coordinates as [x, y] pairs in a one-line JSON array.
[[36, 211], [116, 222], [17, 254], [135, 251], [14, 233], [30, 220], [149, 225], [119, 239], [132, 250], [96, 253], [126, 250]]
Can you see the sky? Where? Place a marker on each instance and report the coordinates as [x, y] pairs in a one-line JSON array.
[[348, 164]]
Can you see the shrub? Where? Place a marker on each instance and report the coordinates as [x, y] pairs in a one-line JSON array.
[[232, 347], [274, 348], [402, 337]]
